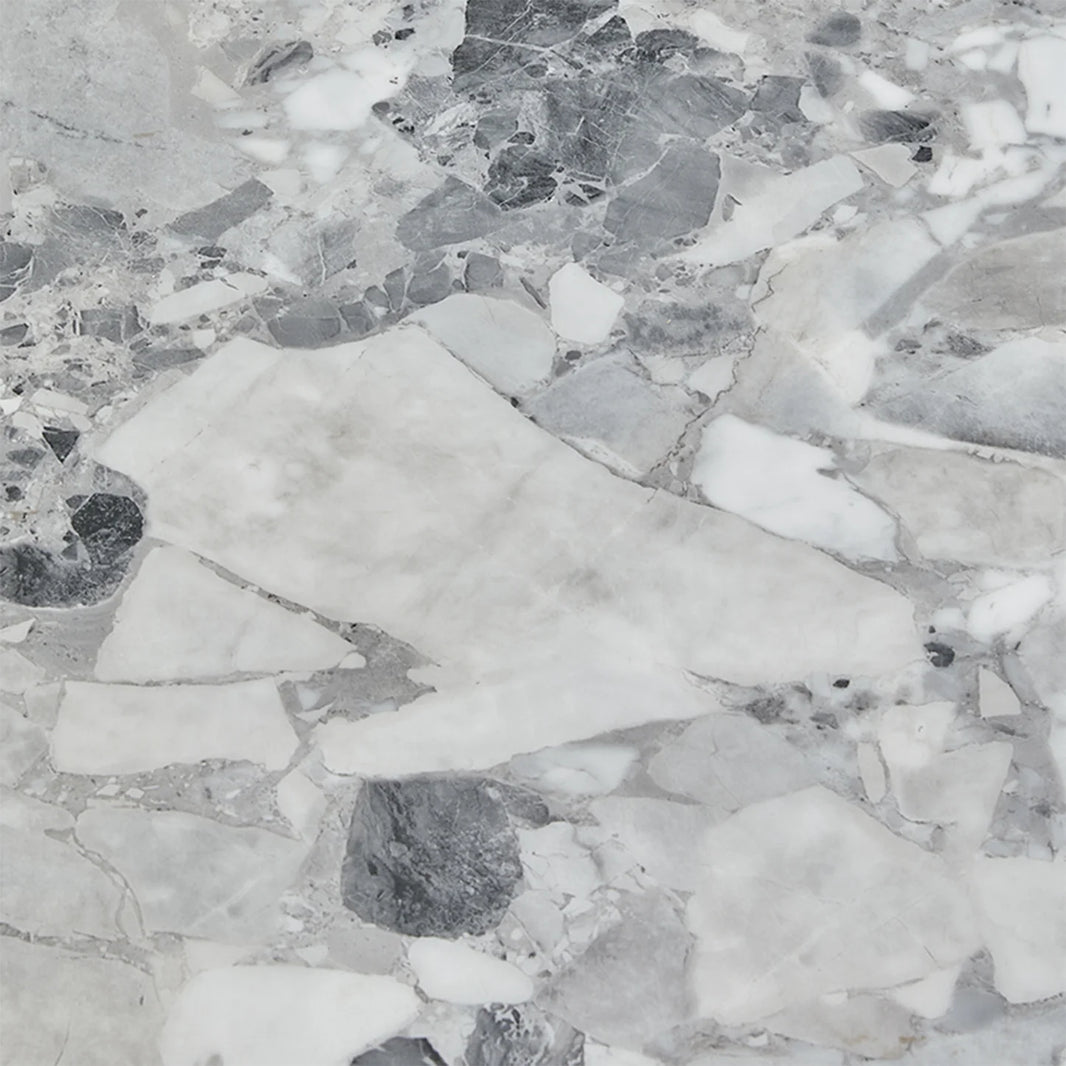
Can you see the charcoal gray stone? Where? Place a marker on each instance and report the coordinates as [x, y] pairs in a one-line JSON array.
[[674, 198], [688, 105], [430, 286], [656, 46], [523, 1036], [838, 30], [520, 176], [400, 1051], [494, 127], [15, 260], [278, 58], [15, 334], [825, 73], [895, 127], [777, 97], [308, 324], [213, 219], [395, 286], [33, 577], [359, 320], [482, 272], [109, 526], [454, 213], [61, 441], [431, 856], [115, 324], [164, 358]]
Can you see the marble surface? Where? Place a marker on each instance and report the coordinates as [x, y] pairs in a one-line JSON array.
[[533, 533]]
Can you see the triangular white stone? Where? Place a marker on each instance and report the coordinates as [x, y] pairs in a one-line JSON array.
[[178, 620]]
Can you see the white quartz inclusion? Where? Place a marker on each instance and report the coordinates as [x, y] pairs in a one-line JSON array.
[[283, 1015], [456, 973], [205, 297], [124, 729], [179, 621], [993, 124], [996, 698], [508, 345], [804, 895], [782, 485], [1022, 904], [382, 482], [583, 309], [785, 206], [1042, 70], [576, 769], [342, 99], [1008, 608]]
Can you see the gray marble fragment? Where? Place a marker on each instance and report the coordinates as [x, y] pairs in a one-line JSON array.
[[431, 856]]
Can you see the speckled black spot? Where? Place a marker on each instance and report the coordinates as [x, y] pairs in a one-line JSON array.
[[431, 856], [400, 1051], [523, 1036], [939, 654], [108, 525]]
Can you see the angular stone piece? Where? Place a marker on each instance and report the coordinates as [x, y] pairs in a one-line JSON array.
[[453, 213], [108, 525], [837, 30], [431, 856], [213, 219], [61, 441], [401, 1051], [522, 1036], [674, 198]]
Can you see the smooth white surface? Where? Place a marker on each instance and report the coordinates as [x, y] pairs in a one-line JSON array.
[[455, 973], [124, 729], [204, 297], [582, 308], [457, 526], [509, 346], [784, 485], [179, 621], [283, 1015]]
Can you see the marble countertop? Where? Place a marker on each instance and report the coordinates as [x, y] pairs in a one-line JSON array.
[[533, 533]]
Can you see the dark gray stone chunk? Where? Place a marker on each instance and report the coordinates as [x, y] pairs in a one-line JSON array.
[[213, 219], [588, 120], [395, 285], [26, 457], [674, 198], [688, 104], [115, 324], [359, 320], [15, 334], [838, 30], [277, 58], [400, 1051], [482, 272], [536, 22], [109, 526], [15, 260], [61, 441], [777, 97], [520, 176], [163, 358], [825, 73], [523, 1036], [430, 286], [431, 856], [309, 324], [454, 213], [33, 577], [494, 127], [895, 126], [656, 46]]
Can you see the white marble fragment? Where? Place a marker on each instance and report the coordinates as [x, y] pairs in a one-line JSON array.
[[508, 345], [992, 124], [193, 876], [204, 297], [283, 1015], [870, 1026], [929, 997], [871, 772], [1007, 608], [785, 207], [1041, 61], [301, 802], [786, 487], [49, 889], [996, 699], [575, 565], [22, 743], [1022, 906], [964, 508], [19, 811], [179, 621], [456, 973], [890, 162], [657, 833], [17, 673], [576, 769], [726, 761], [17, 633], [556, 863], [125, 729], [340, 99], [64, 1009], [806, 895], [583, 309], [476, 726]]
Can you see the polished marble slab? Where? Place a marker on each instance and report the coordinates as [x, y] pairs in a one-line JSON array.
[[533, 533]]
